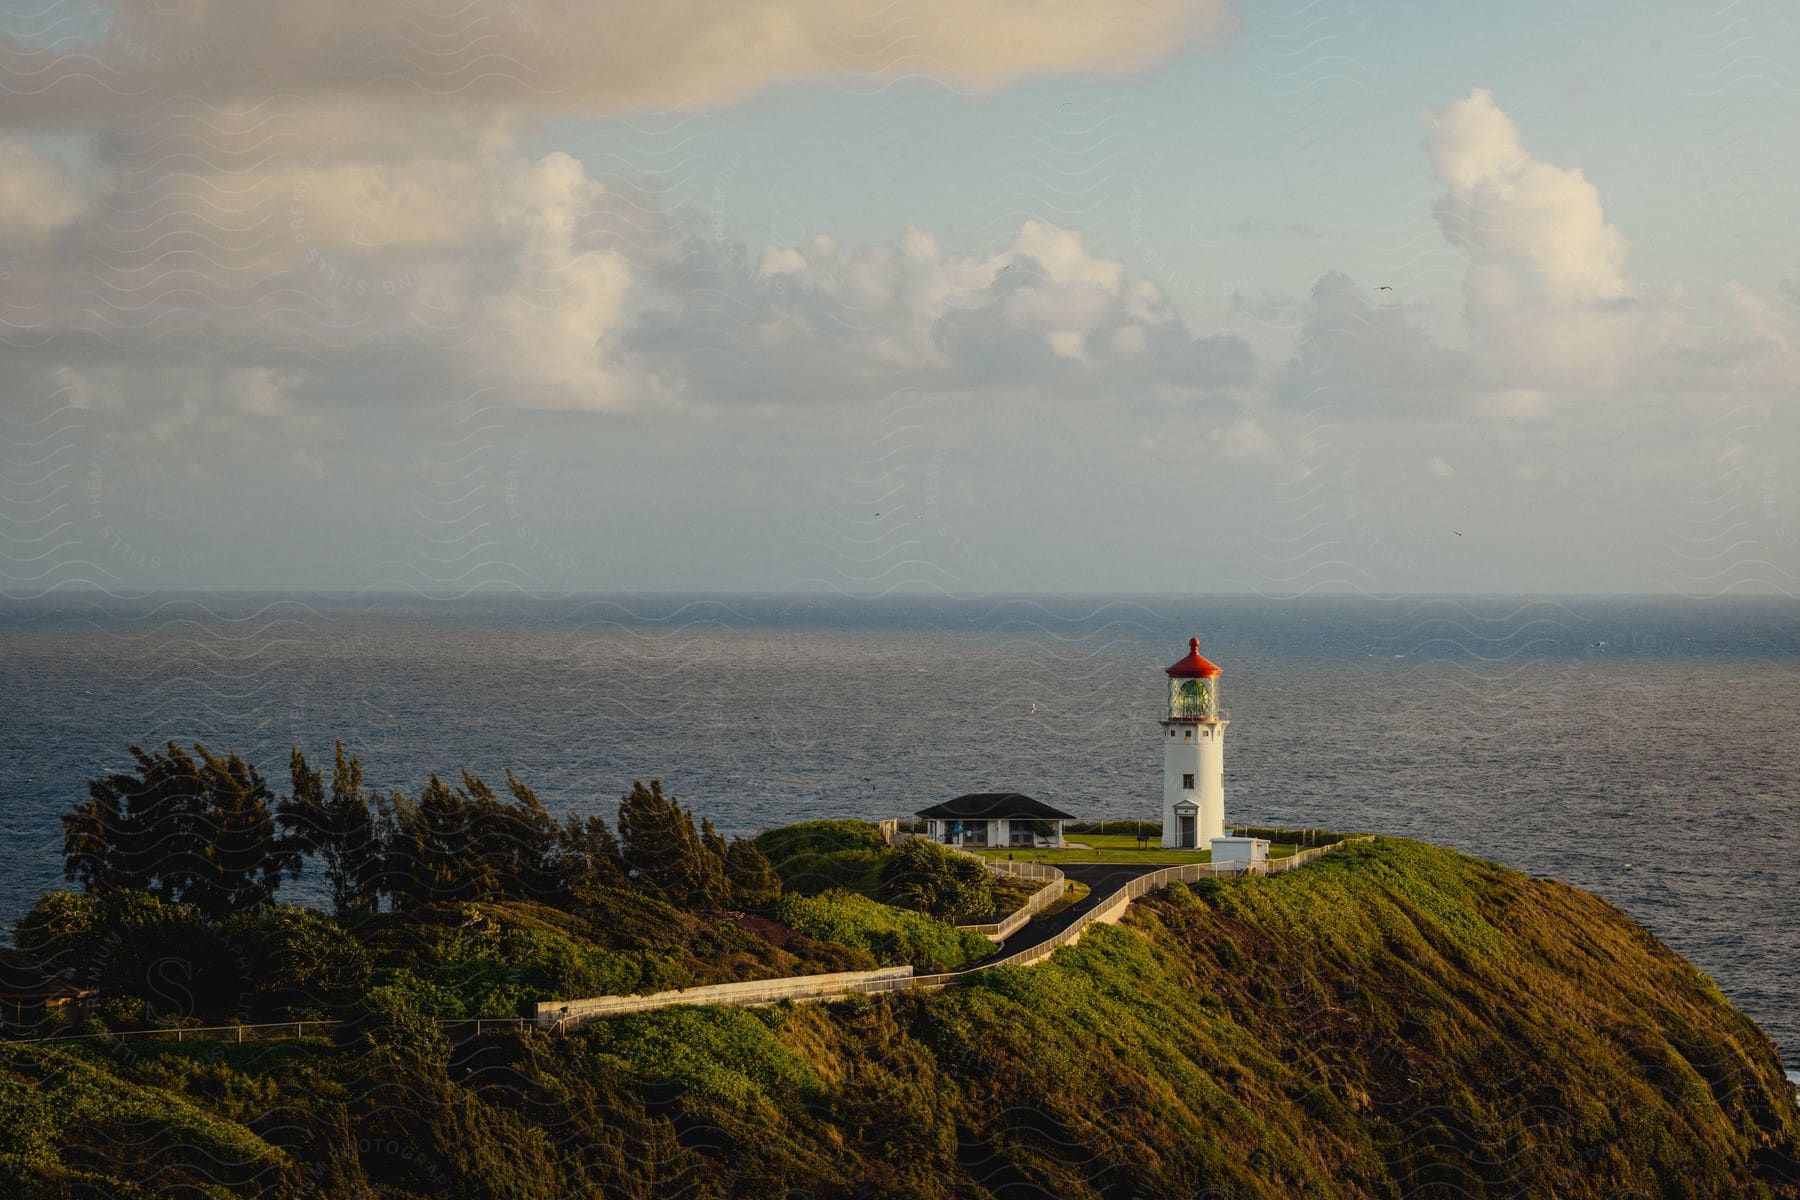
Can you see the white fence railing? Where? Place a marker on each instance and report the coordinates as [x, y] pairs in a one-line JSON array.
[[562, 1015], [1052, 891]]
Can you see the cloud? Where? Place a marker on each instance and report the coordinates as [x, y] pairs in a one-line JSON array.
[[553, 55], [1545, 294], [309, 465], [38, 197], [541, 286], [1245, 441], [1369, 358], [1551, 316], [1042, 312], [566, 293], [1753, 347], [1437, 468], [263, 391]]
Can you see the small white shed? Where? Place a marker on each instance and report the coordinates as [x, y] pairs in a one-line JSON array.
[[1245, 850]]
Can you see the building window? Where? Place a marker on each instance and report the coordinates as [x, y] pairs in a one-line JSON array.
[[1187, 781]]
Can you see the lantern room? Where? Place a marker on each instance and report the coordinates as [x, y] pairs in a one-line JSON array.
[[1194, 687]]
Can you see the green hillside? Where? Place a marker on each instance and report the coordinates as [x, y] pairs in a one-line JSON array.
[[1393, 1020]]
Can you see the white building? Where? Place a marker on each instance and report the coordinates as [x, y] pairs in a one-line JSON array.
[[1193, 755], [995, 819]]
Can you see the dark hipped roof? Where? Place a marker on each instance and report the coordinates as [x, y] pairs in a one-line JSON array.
[[994, 806], [22, 979]]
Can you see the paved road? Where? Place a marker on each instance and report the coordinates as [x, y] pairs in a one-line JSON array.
[[1103, 879]]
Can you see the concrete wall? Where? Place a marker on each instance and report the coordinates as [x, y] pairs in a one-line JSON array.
[[563, 1015]]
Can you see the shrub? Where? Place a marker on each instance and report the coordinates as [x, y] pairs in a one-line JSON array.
[[810, 872], [122, 1012], [819, 837], [293, 949], [892, 936], [60, 925], [933, 879], [166, 953]]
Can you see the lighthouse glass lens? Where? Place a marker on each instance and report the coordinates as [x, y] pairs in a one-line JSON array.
[[1189, 698], [1192, 698]]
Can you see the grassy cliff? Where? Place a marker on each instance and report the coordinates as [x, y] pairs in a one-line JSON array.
[[1394, 1020]]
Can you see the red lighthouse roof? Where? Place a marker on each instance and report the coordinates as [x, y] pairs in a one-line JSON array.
[[1194, 666]]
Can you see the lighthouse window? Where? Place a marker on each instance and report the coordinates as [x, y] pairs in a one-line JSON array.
[[1187, 781]]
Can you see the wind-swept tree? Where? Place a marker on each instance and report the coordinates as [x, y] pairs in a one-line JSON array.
[[754, 883], [528, 844], [343, 828], [428, 847], [588, 855], [652, 844], [190, 828], [466, 842], [664, 853]]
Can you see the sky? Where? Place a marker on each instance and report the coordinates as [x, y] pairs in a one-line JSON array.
[[874, 296]]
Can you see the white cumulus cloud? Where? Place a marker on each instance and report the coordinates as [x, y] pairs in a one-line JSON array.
[[1545, 292]]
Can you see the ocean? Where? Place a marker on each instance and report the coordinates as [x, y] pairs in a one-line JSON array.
[[1641, 748]]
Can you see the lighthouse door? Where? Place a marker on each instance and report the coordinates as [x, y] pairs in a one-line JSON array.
[[1187, 820]]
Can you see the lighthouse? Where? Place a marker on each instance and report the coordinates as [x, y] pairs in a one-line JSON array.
[[1193, 755]]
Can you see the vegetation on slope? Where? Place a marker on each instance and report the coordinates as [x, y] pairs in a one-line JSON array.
[[892, 936], [823, 856], [836, 858], [1393, 1020]]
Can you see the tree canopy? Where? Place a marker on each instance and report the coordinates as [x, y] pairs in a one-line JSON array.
[[200, 830], [189, 828]]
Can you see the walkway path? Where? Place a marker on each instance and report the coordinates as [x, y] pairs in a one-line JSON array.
[[1102, 879]]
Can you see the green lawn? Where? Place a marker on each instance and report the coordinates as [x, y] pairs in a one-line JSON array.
[[1121, 848]]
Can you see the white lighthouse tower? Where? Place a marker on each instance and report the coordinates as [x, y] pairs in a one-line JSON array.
[[1193, 755]]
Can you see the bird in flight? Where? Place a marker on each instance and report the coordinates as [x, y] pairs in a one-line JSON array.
[[1384, 288]]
